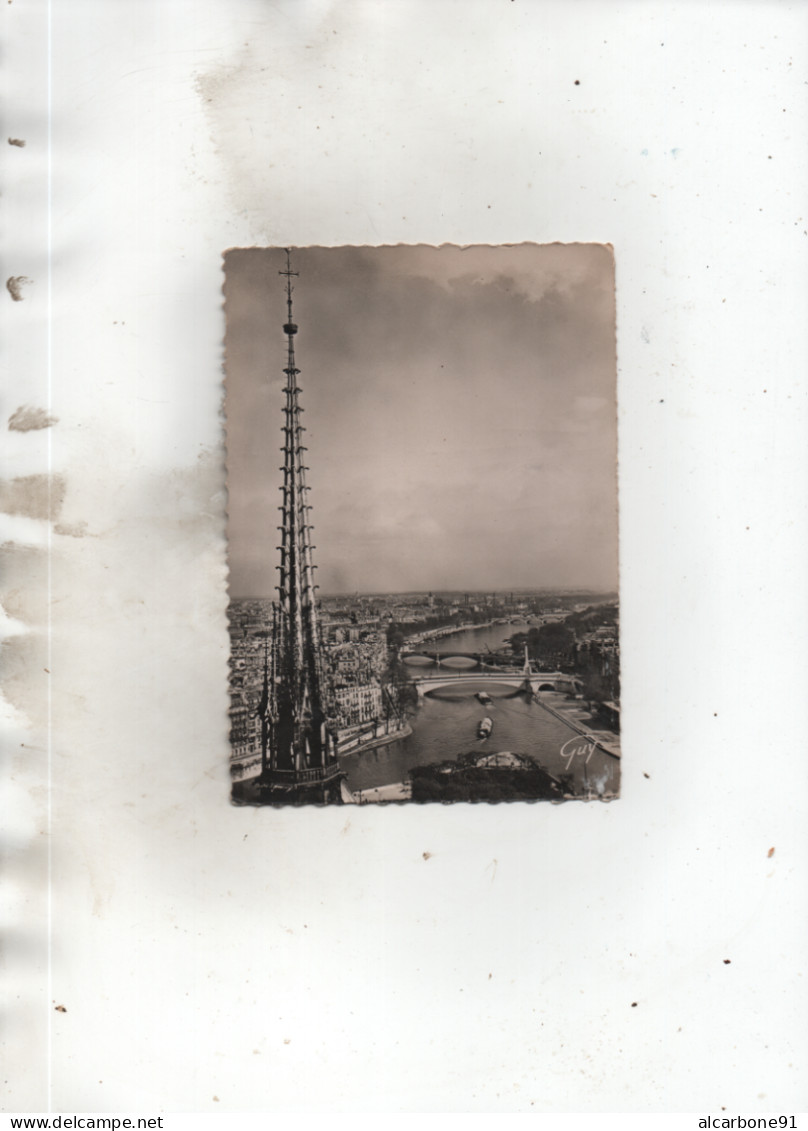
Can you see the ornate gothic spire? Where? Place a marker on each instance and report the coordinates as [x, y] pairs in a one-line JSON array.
[[301, 750]]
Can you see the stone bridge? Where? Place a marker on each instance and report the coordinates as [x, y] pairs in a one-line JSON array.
[[518, 679], [479, 659]]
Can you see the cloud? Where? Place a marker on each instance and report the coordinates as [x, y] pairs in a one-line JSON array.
[[459, 406]]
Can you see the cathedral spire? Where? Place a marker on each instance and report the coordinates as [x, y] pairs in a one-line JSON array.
[[302, 750]]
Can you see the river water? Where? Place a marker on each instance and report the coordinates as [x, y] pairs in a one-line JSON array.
[[493, 636], [445, 725]]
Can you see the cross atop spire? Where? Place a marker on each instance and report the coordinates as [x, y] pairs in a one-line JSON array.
[[290, 328]]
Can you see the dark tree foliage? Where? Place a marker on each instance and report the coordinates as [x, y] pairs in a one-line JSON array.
[[594, 617], [600, 672], [401, 696], [551, 645]]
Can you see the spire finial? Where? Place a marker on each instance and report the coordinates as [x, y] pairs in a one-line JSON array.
[[290, 328]]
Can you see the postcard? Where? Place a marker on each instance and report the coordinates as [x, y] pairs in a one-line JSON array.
[[454, 633]]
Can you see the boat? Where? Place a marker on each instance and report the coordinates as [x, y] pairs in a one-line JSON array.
[[485, 727], [482, 696]]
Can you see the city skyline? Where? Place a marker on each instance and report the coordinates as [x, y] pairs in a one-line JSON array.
[[503, 591], [460, 413]]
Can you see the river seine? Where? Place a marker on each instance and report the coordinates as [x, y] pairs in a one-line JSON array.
[[445, 726]]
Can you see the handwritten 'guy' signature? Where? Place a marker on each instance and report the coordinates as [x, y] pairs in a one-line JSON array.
[[579, 746]]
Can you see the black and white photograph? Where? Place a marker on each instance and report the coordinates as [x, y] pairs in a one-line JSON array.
[[422, 524], [405, 527]]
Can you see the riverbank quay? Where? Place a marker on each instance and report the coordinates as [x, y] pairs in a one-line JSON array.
[[394, 791], [577, 717], [356, 744], [448, 630], [241, 770]]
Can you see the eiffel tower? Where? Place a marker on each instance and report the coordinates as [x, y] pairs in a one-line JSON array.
[[298, 735]]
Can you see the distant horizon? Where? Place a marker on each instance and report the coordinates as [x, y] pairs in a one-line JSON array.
[[460, 413], [516, 590]]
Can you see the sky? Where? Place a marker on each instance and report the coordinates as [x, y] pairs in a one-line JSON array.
[[460, 413]]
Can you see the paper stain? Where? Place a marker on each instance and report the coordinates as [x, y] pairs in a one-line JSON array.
[[24, 573], [35, 496], [27, 419], [71, 529], [24, 680], [102, 882], [14, 284], [184, 507], [19, 141], [25, 598]]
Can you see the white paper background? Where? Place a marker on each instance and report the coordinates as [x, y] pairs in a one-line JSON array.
[[213, 958]]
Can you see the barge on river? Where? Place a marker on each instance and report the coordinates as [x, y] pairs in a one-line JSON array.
[[485, 727]]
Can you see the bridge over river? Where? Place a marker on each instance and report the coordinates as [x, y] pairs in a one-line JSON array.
[[432, 669], [416, 658], [516, 678]]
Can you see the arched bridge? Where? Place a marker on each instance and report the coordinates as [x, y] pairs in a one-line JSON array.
[[536, 681], [478, 659]]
